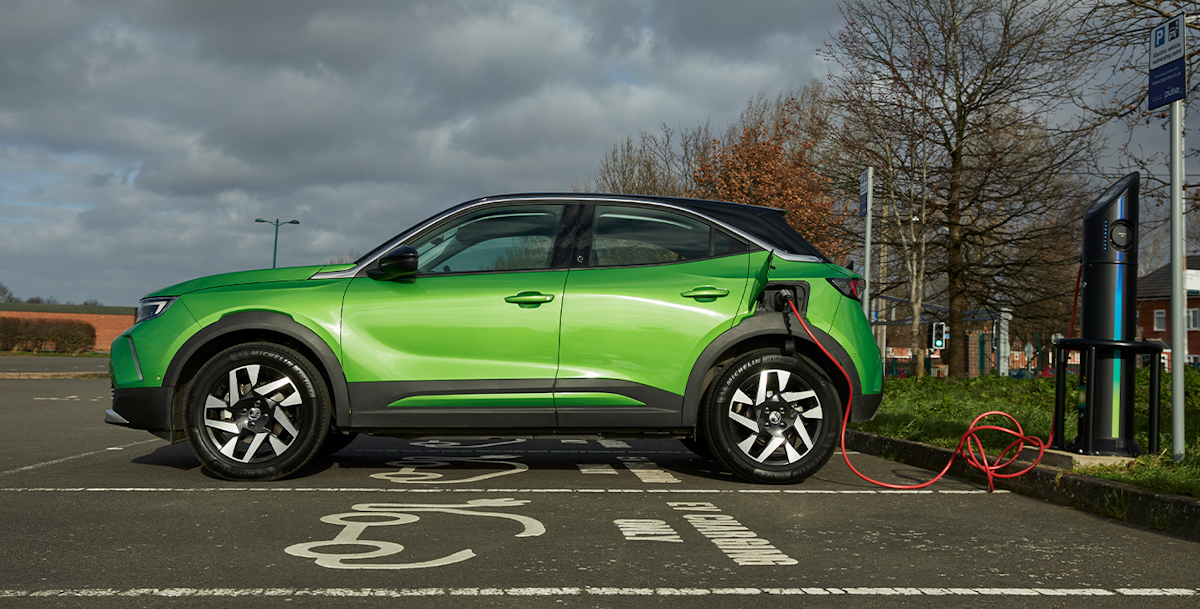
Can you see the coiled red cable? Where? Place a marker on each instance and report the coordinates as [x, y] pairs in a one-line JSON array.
[[974, 454]]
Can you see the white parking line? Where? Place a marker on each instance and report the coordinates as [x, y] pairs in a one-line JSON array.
[[248, 489], [65, 459], [585, 591]]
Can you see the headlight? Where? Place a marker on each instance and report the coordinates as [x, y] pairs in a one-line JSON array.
[[149, 308]]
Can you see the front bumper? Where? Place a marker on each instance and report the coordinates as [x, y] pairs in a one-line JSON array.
[[147, 408]]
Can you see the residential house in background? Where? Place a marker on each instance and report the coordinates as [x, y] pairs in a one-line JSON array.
[[1154, 310]]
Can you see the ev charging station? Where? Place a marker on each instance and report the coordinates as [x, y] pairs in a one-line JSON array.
[[1109, 330], [1109, 297]]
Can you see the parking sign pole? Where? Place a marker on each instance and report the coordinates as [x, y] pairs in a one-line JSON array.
[[1179, 344]]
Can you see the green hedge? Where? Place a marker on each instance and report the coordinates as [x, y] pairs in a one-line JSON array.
[[61, 336]]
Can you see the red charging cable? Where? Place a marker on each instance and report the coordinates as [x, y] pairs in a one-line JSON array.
[[975, 454]]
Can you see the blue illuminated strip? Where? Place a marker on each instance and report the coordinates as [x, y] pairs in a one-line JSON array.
[[1118, 310]]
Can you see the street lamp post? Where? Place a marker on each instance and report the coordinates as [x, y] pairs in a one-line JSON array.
[[276, 223]]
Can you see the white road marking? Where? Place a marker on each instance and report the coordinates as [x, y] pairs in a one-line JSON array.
[[739, 543], [456, 444], [613, 444], [573, 441], [246, 489], [397, 514], [580, 591], [65, 459], [596, 468], [642, 529], [409, 467], [648, 472]]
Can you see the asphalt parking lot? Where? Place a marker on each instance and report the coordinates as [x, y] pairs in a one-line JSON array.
[[99, 516]]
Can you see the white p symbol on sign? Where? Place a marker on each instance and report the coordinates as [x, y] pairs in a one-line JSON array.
[[1160, 36]]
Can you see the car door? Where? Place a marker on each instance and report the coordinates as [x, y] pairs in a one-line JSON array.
[[472, 340], [648, 290]]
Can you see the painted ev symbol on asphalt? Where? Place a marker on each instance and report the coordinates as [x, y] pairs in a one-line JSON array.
[[408, 473], [368, 515]]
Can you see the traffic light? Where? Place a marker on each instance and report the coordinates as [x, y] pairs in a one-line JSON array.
[[938, 339]]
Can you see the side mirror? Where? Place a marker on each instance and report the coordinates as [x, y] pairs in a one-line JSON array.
[[400, 263]]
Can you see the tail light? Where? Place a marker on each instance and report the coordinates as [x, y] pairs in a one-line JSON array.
[[850, 288]]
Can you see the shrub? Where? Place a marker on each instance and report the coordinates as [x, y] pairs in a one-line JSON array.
[[64, 336]]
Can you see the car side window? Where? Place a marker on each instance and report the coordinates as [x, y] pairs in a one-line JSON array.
[[625, 236], [512, 238]]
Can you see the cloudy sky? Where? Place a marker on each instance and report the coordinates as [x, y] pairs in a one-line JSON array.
[[139, 140]]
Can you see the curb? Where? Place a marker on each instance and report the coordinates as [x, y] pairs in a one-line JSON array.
[[1171, 513], [53, 375]]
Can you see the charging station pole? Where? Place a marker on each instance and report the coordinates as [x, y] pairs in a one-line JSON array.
[[1168, 85]]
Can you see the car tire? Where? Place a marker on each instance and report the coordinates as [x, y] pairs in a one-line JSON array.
[[272, 424], [773, 418]]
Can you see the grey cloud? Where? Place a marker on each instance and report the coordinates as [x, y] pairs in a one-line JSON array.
[[139, 139]]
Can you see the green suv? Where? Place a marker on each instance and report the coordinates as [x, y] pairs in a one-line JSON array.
[[517, 315]]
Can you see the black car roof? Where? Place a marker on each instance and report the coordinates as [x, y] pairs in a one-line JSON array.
[[765, 223]]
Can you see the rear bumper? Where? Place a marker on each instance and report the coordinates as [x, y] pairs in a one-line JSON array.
[[147, 408], [864, 406]]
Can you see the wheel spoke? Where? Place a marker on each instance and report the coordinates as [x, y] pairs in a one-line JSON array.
[[741, 398], [744, 421], [227, 448], [269, 388], [783, 376], [283, 420], [252, 372], [792, 455], [771, 446], [225, 426], [292, 400], [747, 444], [796, 396], [277, 445], [254, 444], [803, 431], [213, 402], [764, 379], [235, 388], [813, 413]]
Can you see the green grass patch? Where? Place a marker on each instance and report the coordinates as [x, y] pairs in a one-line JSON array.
[[938, 411]]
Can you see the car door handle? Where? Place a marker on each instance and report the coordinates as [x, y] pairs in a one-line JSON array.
[[707, 291], [529, 299]]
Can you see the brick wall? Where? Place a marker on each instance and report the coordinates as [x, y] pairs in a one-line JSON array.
[[109, 322]]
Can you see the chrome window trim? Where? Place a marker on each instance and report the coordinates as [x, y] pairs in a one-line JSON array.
[[351, 272]]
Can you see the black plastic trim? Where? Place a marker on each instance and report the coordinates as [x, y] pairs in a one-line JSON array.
[[662, 408], [371, 404], [864, 407], [147, 408], [273, 322]]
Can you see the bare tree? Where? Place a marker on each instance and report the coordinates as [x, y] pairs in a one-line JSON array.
[[770, 155], [1115, 34], [659, 164], [981, 79], [350, 256]]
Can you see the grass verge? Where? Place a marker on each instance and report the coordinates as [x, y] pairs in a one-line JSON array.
[[939, 411]]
